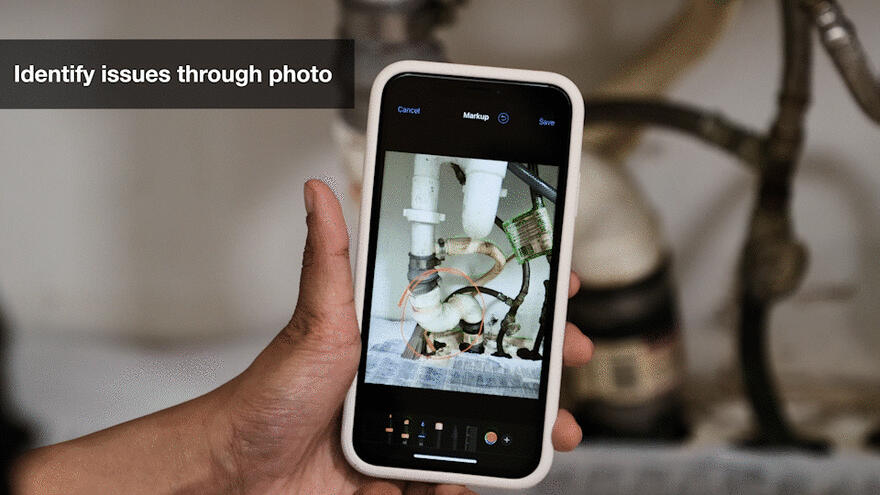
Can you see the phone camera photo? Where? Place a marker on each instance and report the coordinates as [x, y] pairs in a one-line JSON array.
[[460, 279]]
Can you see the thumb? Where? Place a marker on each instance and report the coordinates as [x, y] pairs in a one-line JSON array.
[[325, 286], [322, 342]]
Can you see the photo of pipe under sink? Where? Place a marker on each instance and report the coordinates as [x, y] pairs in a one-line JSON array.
[[459, 284]]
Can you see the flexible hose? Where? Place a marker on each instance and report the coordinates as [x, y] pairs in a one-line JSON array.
[[465, 245], [484, 290], [533, 181], [709, 127]]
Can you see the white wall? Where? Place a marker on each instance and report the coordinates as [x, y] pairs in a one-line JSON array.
[[158, 223]]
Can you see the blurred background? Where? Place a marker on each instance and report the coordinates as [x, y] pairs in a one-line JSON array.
[[147, 255]]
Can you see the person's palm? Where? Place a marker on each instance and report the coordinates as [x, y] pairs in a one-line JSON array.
[[281, 419]]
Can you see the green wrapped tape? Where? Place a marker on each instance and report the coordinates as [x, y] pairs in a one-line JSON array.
[[530, 234]]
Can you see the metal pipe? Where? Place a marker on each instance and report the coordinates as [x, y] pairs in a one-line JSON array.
[[676, 48], [838, 36], [543, 320], [385, 31], [773, 261], [510, 317], [534, 182], [711, 128]]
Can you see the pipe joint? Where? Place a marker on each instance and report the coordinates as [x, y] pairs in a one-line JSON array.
[[419, 265]]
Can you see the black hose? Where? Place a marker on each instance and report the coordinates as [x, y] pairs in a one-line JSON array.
[[459, 173], [510, 317], [485, 290], [537, 200], [757, 377], [533, 353], [524, 286], [709, 127], [534, 182], [772, 424]]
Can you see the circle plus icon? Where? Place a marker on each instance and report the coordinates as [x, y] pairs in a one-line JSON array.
[[503, 117]]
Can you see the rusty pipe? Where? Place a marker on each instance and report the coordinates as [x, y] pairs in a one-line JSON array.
[[838, 36]]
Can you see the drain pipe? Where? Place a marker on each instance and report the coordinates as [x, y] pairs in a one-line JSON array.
[[423, 213], [482, 190], [384, 31], [436, 316], [429, 310]]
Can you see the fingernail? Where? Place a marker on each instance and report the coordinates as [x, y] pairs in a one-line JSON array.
[[307, 197]]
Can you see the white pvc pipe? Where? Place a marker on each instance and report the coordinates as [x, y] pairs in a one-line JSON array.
[[482, 190], [436, 316], [423, 212]]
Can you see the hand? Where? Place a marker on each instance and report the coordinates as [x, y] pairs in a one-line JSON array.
[[272, 429], [283, 414]]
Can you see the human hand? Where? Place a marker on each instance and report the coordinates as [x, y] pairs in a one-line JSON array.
[[278, 430], [272, 429]]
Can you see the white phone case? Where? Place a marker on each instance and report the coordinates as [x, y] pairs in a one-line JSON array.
[[559, 309]]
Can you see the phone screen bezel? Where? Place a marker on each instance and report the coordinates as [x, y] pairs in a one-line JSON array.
[[447, 403]]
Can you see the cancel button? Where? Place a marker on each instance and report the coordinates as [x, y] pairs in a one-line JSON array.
[[410, 110]]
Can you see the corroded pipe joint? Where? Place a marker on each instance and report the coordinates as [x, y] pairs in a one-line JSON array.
[[471, 328], [419, 265], [394, 21], [775, 270], [509, 324], [827, 16], [774, 262]]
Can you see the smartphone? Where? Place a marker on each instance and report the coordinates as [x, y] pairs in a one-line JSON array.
[[462, 272]]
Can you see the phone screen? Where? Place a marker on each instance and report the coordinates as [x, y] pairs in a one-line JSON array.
[[469, 188]]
